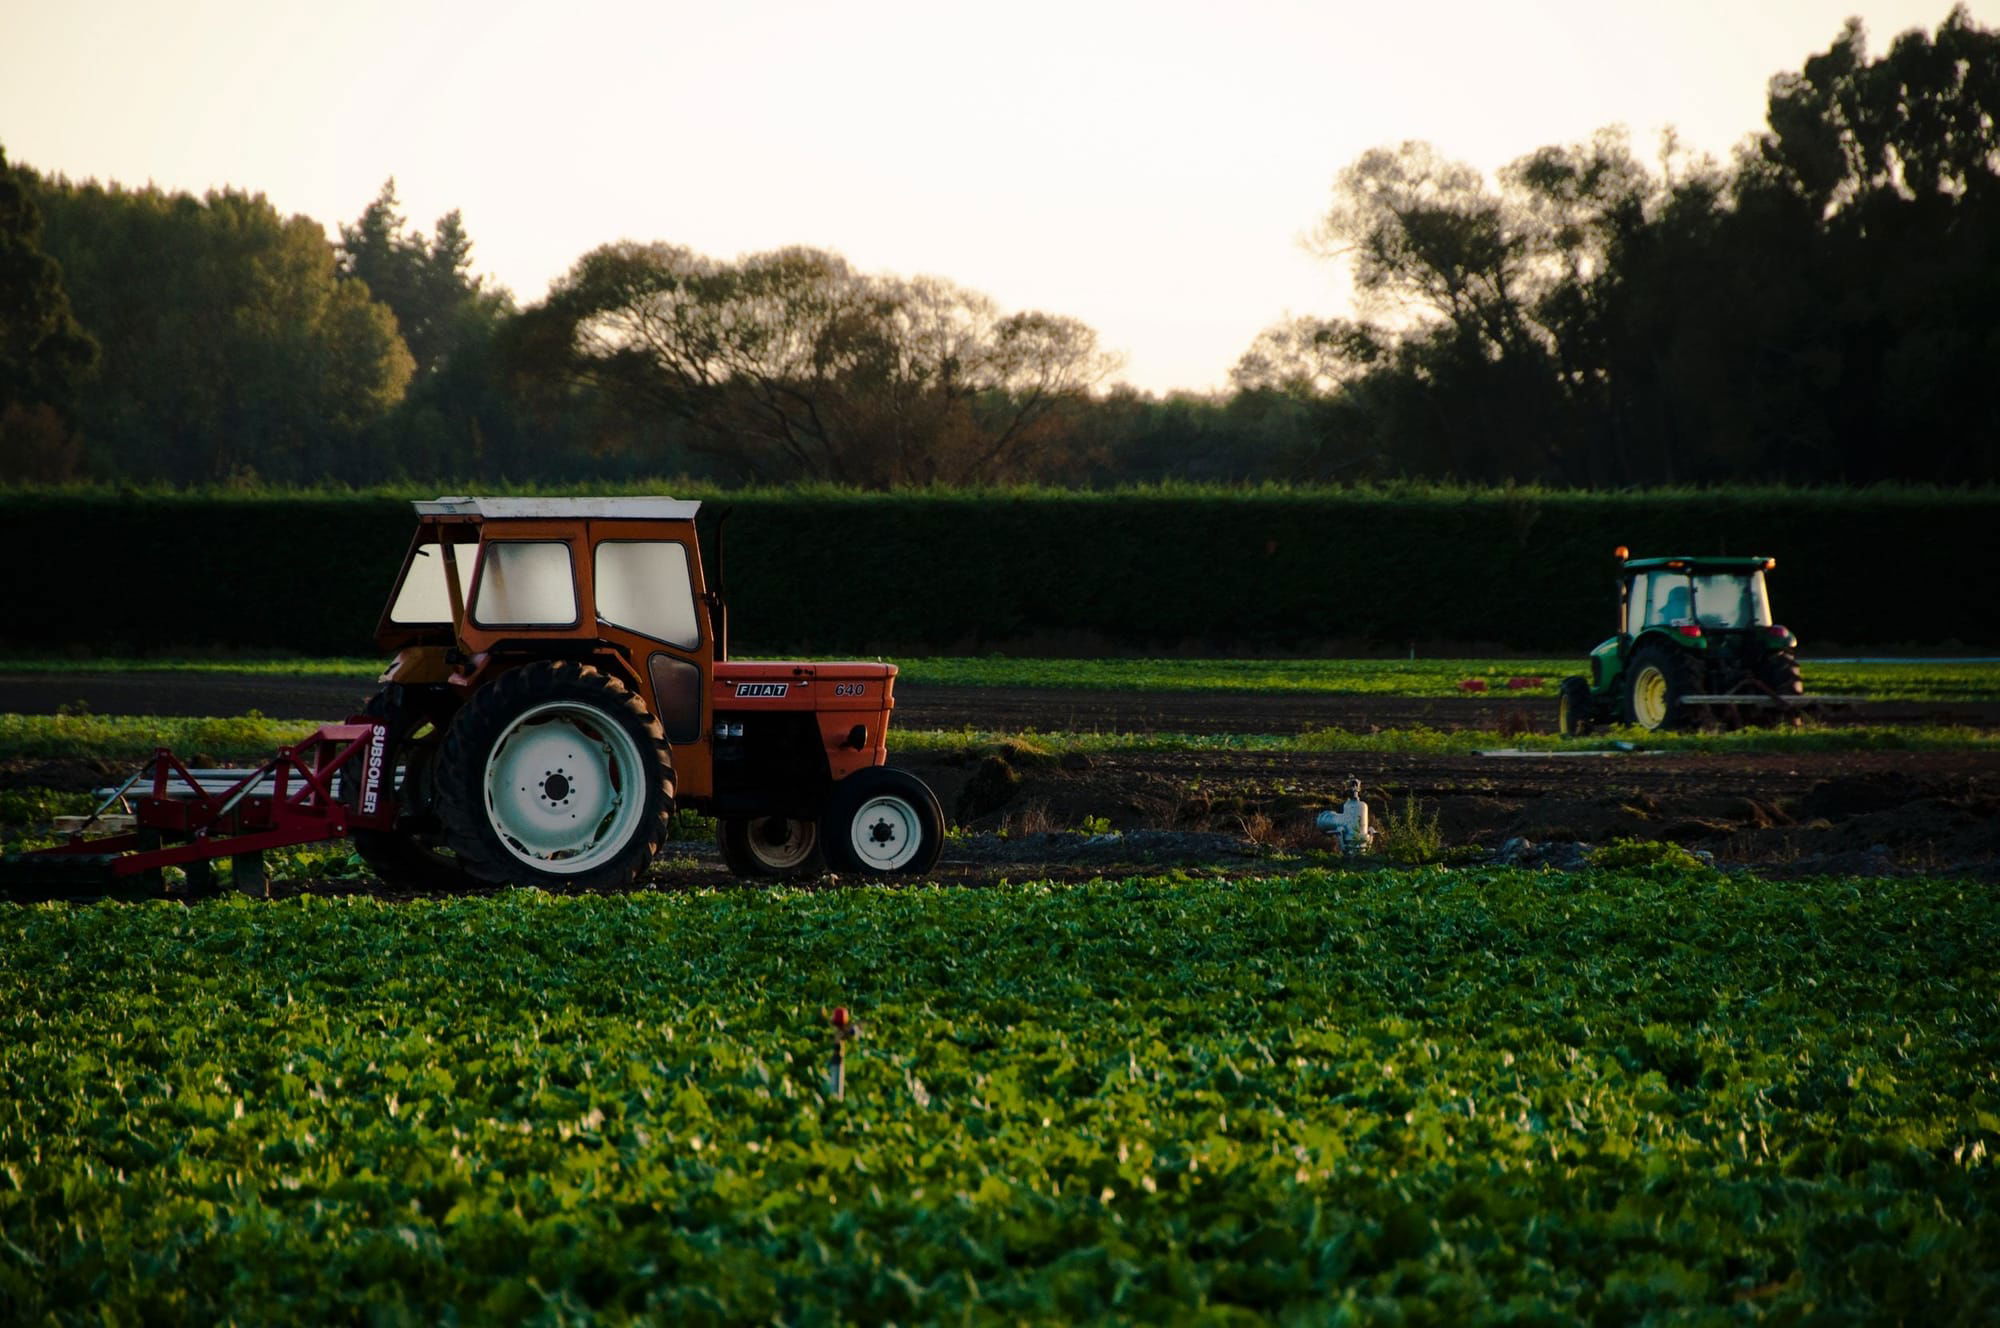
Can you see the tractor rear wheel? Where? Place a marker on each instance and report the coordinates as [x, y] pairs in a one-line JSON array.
[[1779, 671], [882, 822], [1655, 681], [410, 856], [770, 846], [555, 775], [1573, 717]]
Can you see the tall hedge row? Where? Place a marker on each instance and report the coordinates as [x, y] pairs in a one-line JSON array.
[[967, 573]]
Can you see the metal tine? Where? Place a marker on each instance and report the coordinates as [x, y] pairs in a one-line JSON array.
[[271, 770], [117, 795]]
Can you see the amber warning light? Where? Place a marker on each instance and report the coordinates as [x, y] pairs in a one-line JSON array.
[[1621, 553]]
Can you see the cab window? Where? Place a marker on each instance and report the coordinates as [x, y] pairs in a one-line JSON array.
[[645, 586], [1658, 599], [526, 583], [423, 599], [1732, 600]]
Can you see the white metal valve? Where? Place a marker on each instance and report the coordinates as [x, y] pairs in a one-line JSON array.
[[1350, 823]]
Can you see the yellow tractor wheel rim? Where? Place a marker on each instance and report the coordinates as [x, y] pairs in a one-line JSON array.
[[1565, 715], [1649, 698]]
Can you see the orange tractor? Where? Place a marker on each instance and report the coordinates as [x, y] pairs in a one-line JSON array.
[[561, 684]]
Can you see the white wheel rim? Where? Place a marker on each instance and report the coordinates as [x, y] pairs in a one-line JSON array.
[[885, 833], [780, 844], [1649, 698], [565, 787]]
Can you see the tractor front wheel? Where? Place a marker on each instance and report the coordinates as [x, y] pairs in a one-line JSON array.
[[1573, 710], [770, 846], [882, 822], [555, 775], [1655, 681]]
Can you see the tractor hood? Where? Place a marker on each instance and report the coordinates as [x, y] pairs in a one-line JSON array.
[[786, 685]]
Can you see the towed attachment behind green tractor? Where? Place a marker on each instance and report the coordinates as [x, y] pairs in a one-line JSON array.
[[1695, 643]]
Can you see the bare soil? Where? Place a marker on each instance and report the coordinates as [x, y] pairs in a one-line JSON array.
[[994, 709], [1023, 813]]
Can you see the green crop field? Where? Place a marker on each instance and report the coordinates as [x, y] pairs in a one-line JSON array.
[[1438, 1097]]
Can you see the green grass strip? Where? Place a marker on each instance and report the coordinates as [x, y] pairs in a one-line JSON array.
[[366, 668], [1885, 681], [1891, 680], [1449, 742], [134, 737]]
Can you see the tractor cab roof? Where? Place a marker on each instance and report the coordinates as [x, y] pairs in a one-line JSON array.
[[560, 509], [1702, 565]]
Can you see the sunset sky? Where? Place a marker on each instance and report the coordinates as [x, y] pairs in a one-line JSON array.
[[1146, 167]]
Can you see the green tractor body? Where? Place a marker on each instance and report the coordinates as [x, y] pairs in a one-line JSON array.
[[1695, 640]]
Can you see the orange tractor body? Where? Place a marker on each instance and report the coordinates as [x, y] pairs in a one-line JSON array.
[[616, 586]]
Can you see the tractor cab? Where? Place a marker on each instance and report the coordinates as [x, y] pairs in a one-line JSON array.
[[1713, 594]]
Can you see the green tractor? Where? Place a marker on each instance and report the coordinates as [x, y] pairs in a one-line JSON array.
[[1695, 642]]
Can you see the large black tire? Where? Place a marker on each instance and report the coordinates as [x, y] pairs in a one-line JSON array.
[[882, 822], [1656, 679], [411, 856], [1573, 708], [1779, 671], [555, 775], [770, 846]]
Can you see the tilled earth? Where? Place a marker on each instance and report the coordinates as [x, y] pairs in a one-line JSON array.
[[993, 709], [1025, 812]]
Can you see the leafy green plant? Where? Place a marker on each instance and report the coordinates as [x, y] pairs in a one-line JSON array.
[[1409, 834], [687, 824], [1645, 855], [1096, 825], [39, 806]]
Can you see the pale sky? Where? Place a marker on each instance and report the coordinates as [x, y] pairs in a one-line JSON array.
[[1147, 167]]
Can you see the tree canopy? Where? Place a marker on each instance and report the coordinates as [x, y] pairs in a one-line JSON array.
[[791, 364], [1816, 309], [44, 352], [231, 347]]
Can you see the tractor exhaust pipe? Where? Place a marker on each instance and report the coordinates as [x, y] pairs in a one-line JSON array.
[[718, 606]]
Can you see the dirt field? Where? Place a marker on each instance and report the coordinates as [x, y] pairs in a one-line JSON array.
[[994, 709], [1867, 813]]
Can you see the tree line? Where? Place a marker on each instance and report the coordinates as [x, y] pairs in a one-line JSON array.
[[1816, 310]]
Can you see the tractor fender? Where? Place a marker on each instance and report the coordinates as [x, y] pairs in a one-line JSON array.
[[1607, 666], [506, 656]]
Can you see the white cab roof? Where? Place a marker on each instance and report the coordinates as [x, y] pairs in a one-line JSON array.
[[605, 509]]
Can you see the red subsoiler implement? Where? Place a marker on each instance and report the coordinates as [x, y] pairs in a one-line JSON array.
[[172, 816]]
